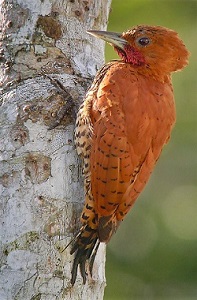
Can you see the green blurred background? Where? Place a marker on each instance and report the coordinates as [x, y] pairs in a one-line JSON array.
[[153, 255]]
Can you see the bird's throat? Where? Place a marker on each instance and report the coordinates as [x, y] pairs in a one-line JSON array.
[[131, 55]]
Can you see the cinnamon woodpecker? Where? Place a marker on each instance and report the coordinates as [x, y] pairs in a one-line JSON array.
[[122, 125]]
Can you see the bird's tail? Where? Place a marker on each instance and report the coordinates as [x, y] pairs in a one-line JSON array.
[[107, 225], [85, 246]]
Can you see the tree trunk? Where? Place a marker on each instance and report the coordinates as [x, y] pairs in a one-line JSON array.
[[47, 63]]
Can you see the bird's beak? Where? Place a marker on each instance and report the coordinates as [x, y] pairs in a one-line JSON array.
[[113, 38]]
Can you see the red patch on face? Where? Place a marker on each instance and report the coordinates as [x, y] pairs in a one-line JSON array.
[[131, 55]]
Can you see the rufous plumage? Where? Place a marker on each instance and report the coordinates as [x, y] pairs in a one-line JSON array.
[[122, 125]]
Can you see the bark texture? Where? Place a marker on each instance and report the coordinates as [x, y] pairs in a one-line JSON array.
[[47, 63]]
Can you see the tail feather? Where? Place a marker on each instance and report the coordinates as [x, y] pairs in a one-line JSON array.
[[91, 263], [86, 245]]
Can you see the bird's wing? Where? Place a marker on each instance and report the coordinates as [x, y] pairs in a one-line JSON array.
[[110, 162], [111, 170], [112, 167]]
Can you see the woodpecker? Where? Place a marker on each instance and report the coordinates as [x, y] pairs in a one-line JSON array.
[[122, 125]]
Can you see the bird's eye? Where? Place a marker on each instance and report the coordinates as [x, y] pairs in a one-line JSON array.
[[143, 41]]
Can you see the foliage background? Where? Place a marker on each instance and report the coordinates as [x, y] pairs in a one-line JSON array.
[[153, 255]]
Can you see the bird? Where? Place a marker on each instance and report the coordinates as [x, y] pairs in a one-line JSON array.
[[121, 127]]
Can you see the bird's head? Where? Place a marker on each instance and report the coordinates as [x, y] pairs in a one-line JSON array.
[[152, 47]]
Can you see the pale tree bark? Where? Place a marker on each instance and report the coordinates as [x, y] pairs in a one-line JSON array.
[[47, 63]]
